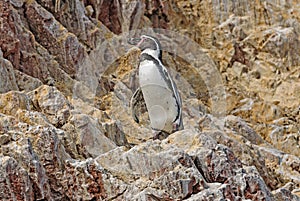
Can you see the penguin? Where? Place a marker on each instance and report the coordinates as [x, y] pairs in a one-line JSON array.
[[159, 91]]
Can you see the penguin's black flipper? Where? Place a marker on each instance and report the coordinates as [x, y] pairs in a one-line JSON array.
[[135, 104]]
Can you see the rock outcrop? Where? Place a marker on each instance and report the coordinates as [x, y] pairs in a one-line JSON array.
[[67, 75]]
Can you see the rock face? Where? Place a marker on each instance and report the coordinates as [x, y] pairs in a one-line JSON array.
[[67, 75]]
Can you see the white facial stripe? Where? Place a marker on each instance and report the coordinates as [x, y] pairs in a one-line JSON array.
[[144, 36]]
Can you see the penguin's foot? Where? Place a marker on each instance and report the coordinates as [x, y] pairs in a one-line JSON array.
[[159, 135], [175, 127]]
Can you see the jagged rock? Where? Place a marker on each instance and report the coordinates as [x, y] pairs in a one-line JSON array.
[[24, 52], [90, 180], [114, 131], [218, 164], [7, 123], [17, 184], [123, 16], [55, 38], [242, 148], [8, 79], [26, 82], [92, 33], [33, 118], [279, 162], [37, 152], [13, 101], [284, 193], [120, 110], [110, 128], [52, 103], [240, 127], [170, 171], [246, 185], [89, 135], [214, 161]]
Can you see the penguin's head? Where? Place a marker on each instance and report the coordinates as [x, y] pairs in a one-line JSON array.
[[148, 44]]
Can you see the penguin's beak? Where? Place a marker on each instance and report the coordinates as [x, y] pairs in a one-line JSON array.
[[135, 41]]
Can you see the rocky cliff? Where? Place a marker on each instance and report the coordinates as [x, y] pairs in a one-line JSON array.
[[67, 75]]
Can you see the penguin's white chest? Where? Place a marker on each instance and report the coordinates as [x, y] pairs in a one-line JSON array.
[[159, 98]]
